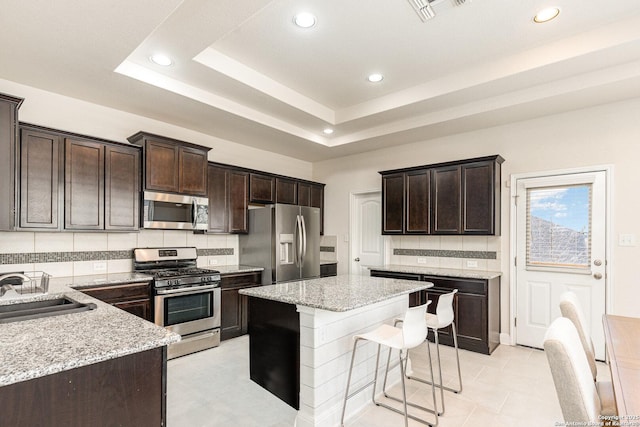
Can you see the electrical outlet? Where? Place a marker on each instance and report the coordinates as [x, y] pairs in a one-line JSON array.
[[627, 240], [422, 260], [100, 266], [472, 264], [213, 261]]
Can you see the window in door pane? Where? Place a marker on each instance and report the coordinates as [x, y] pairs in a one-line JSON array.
[[559, 226]]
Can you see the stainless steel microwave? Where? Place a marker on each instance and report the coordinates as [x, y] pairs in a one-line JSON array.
[[175, 211]]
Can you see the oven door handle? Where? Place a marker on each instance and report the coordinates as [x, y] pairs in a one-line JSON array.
[[186, 291], [194, 203]]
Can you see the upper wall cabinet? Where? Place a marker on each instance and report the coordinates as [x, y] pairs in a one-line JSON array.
[[262, 188], [286, 191], [8, 137], [75, 182], [171, 165], [461, 197]]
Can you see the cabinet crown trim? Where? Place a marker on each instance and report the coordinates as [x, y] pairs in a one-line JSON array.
[[495, 158], [138, 137]]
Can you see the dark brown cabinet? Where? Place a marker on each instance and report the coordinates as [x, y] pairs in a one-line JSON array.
[[76, 182], [9, 190], [83, 185], [228, 200], [41, 164], [286, 191], [393, 203], [461, 197], [234, 307], [171, 165], [476, 307], [262, 188], [122, 188], [131, 297]]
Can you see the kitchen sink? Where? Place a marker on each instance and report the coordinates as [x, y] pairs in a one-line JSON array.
[[39, 309]]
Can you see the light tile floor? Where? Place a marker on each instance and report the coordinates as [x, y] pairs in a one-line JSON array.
[[512, 387]]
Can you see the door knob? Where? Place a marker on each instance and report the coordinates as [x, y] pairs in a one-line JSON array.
[[597, 276], [357, 259]]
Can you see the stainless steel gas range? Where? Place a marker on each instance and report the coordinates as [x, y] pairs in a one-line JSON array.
[[186, 299]]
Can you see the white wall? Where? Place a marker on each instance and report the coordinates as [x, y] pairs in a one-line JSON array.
[[608, 134]]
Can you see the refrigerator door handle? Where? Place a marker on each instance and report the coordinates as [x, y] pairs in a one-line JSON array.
[[304, 240], [298, 241]]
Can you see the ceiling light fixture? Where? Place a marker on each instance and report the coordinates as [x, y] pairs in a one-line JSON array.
[[161, 59], [328, 131], [423, 9], [304, 20], [375, 77], [546, 15]]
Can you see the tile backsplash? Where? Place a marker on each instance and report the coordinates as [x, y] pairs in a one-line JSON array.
[[76, 254], [460, 252], [328, 248]]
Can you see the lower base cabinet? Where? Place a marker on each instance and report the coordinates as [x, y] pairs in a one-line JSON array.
[[234, 320], [476, 308], [133, 298], [328, 270], [126, 391]]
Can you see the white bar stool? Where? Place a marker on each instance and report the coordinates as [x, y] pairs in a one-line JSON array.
[[444, 317], [412, 334]]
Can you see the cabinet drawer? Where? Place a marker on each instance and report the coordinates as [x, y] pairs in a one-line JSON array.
[[395, 275], [240, 280], [469, 286], [119, 293]]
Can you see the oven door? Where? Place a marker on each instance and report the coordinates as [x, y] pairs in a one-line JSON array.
[[187, 311]]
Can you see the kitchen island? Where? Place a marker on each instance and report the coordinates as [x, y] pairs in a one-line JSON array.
[[300, 339], [98, 367]]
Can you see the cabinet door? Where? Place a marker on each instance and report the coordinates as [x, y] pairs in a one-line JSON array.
[[40, 156], [317, 201], [447, 206], [417, 202], [393, 203], [304, 194], [193, 171], [140, 308], [262, 188], [218, 195], [231, 314], [84, 185], [238, 201], [286, 191], [161, 166], [122, 188], [471, 318], [478, 198]]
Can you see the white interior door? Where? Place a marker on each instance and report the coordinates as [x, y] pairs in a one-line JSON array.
[[367, 248], [560, 246]]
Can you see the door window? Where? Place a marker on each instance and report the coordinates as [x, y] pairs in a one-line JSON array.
[[559, 227]]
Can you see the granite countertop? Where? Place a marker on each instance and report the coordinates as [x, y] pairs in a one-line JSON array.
[[35, 348], [79, 282], [338, 293], [328, 262], [231, 269], [450, 272]]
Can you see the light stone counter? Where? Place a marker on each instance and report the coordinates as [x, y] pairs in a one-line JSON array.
[[450, 272], [337, 293], [233, 269], [35, 348]]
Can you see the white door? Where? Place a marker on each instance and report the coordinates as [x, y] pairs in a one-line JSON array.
[[367, 248], [560, 246]]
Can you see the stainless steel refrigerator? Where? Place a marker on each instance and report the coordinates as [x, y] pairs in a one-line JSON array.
[[284, 240]]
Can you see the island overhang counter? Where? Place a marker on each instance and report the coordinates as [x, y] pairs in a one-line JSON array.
[[300, 339]]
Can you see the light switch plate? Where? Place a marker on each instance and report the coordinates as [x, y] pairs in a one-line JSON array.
[[100, 266], [213, 261], [472, 264], [422, 260]]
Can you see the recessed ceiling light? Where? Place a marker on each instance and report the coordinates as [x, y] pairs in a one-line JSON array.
[[304, 20], [161, 59], [375, 77], [328, 131], [546, 15]]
